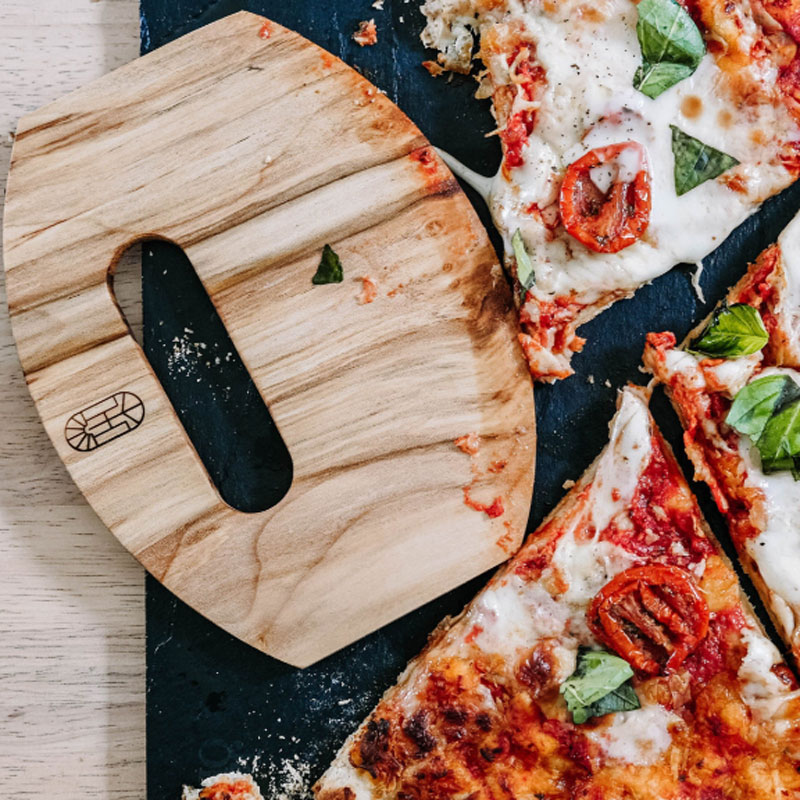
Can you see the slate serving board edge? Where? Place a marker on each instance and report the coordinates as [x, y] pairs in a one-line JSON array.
[[215, 704]]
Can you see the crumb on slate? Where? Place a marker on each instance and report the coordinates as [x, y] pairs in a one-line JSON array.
[[367, 33]]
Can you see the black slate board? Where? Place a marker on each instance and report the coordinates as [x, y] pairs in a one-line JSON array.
[[215, 704]]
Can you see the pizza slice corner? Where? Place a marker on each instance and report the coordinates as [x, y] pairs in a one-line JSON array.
[[614, 656]]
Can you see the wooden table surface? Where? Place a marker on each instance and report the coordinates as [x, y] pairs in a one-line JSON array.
[[72, 657]]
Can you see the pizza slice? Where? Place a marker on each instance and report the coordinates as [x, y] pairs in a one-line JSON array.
[[613, 657], [635, 136], [226, 786], [735, 384]]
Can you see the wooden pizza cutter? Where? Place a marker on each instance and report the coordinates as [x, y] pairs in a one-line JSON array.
[[251, 148]]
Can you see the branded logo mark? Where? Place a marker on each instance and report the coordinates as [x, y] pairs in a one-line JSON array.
[[104, 421]]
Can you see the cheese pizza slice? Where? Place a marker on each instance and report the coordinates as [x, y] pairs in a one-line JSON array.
[[735, 384], [635, 136], [613, 657]]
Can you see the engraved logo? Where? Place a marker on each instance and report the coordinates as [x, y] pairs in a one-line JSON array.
[[104, 421]]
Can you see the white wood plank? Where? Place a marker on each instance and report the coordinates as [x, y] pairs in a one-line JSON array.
[[72, 620]]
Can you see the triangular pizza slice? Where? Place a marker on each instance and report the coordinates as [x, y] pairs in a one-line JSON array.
[[636, 134], [735, 384], [613, 657]]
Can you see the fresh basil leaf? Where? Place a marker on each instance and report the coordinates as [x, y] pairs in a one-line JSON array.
[[779, 443], [734, 331], [622, 699], [329, 269], [768, 411], [525, 274], [597, 675], [666, 32], [653, 79], [672, 46], [756, 403], [695, 162]]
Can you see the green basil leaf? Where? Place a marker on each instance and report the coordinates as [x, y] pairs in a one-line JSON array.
[[667, 32], [622, 699], [525, 274], [779, 443], [734, 331], [329, 269], [597, 675], [756, 403], [653, 79], [672, 46], [695, 162]]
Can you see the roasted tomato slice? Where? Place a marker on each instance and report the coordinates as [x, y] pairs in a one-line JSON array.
[[652, 616], [605, 197]]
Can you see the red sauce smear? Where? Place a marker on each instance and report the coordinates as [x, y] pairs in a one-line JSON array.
[[514, 135], [476, 631], [265, 31], [368, 290], [495, 509]]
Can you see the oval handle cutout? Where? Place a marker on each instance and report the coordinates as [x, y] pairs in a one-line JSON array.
[[209, 387]]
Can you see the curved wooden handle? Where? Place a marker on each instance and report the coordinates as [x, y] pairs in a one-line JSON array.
[[206, 142]]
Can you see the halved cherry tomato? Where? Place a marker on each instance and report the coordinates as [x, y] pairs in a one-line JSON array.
[[652, 616], [607, 222]]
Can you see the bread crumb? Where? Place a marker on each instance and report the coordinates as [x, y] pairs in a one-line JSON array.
[[568, 484], [590, 379], [378, 4], [434, 68], [367, 33], [607, 383]]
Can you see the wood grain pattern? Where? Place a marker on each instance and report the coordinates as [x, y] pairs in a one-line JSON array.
[[252, 153], [72, 662]]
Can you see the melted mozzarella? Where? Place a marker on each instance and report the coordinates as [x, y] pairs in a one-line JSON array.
[[776, 550], [637, 737], [514, 613], [733, 373], [789, 242], [589, 101], [511, 614], [622, 462], [763, 692]]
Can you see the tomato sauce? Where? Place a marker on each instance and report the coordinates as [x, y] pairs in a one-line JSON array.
[[662, 515], [517, 130], [493, 509], [712, 654], [225, 790]]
